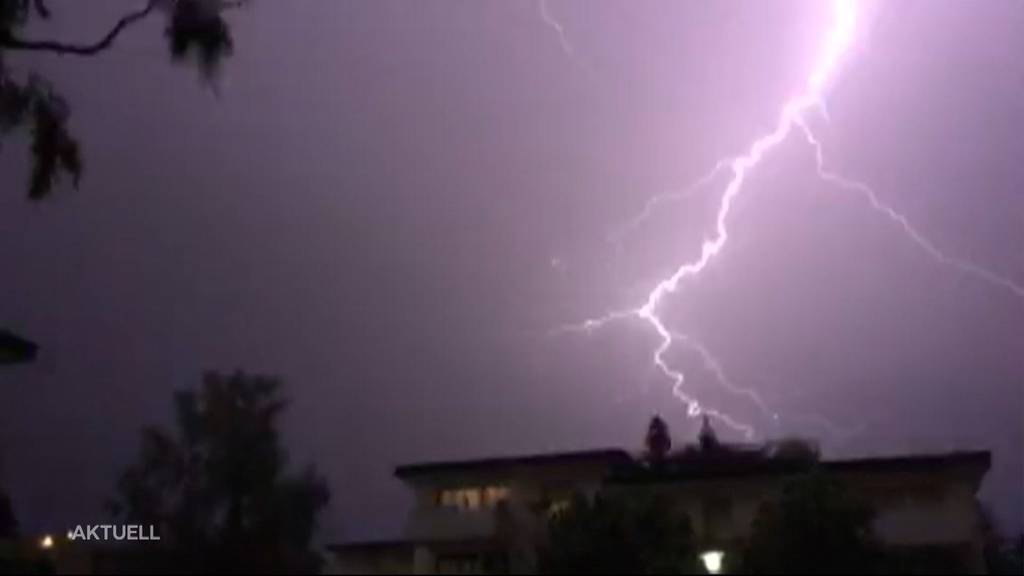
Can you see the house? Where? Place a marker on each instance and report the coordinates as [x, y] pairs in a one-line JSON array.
[[489, 515]]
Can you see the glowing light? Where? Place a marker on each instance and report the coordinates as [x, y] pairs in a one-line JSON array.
[[46, 542], [712, 560]]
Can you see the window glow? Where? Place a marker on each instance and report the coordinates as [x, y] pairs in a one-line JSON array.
[[473, 498], [558, 507]]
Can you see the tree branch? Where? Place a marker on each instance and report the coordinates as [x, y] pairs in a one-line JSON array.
[[10, 42]]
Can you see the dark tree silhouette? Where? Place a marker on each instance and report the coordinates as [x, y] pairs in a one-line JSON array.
[[707, 439], [17, 556], [15, 349], [613, 534], [794, 449], [817, 526], [8, 522], [1002, 556], [196, 31], [217, 491], [658, 440], [1012, 559]]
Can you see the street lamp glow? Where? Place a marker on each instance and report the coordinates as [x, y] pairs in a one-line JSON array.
[[46, 542], [712, 560]]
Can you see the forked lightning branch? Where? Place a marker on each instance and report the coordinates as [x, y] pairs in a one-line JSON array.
[[810, 99]]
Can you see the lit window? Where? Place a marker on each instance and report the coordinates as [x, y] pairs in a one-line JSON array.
[[461, 499], [494, 495], [471, 499], [558, 507]]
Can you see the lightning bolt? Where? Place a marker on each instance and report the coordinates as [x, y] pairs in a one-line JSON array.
[[554, 24], [967, 267], [714, 365], [619, 235], [838, 42]]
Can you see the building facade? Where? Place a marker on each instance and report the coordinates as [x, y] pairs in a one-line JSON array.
[[490, 515]]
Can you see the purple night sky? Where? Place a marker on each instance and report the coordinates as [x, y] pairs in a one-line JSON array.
[[393, 204]]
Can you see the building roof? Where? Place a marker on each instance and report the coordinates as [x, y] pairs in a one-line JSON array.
[[725, 462], [700, 466], [609, 456], [917, 462]]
